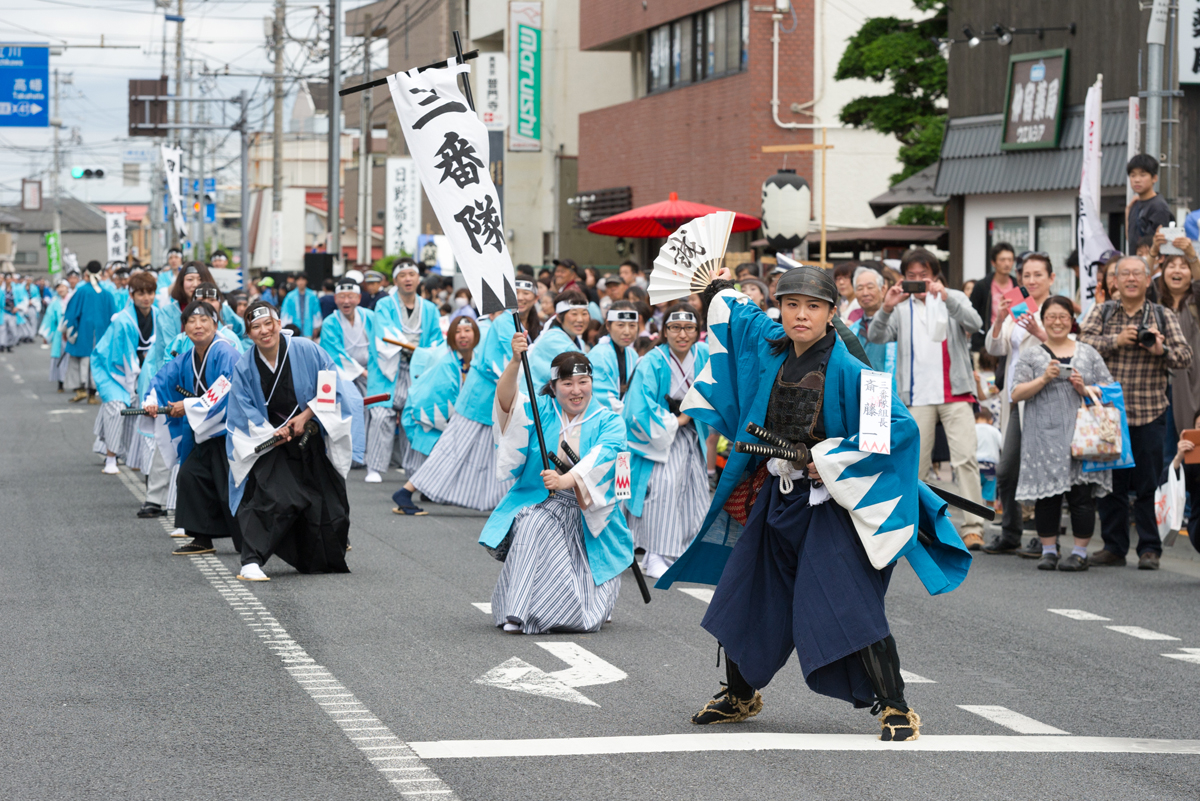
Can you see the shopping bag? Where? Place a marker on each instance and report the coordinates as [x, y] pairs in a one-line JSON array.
[[1111, 393], [1169, 501], [1097, 430]]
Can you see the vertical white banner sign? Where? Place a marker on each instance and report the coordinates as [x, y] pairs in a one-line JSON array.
[[492, 97], [276, 241], [114, 234], [402, 224], [173, 170], [1093, 241]]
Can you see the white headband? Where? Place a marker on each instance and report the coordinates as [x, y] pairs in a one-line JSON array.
[[402, 267], [351, 287], [578, 368], [528, 286], [564, 306], [622, 316], [681, 317], [263, 311]]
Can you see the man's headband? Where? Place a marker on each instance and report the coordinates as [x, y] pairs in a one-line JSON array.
[[622, 316], [576, 368], [528, 286], [402, 267], [349, 286], [263, 312], [681, 317], [564, 306]]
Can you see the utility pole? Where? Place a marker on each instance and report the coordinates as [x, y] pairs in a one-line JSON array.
[[277, 137], [364, 152], [54, 185], [178, 69], [244, 99], [199, 250], [1156, 37], [333, 193]]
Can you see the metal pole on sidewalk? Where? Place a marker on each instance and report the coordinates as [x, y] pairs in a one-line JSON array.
[[333, 192]]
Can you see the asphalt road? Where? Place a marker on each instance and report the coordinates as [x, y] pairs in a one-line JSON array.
[[131, 673]]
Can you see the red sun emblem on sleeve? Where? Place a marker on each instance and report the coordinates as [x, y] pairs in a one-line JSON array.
[[326, 388]]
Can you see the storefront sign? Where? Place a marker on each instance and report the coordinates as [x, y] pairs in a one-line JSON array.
[[493, 80], [525, 30], [1035, 100], [1189, 41]]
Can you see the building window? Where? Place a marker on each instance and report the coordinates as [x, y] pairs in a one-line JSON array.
[[711, 44], [1056, 236], [1013, 230], [25, 257]]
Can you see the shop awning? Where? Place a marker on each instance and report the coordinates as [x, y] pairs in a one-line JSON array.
[[885, 236], [973, 164], [913, 190]]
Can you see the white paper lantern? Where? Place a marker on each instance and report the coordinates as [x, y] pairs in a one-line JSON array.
[[786, 210]]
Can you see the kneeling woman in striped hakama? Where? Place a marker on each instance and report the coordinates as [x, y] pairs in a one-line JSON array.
[[461, 468], [431, 403], [562, 537], [670, 476]]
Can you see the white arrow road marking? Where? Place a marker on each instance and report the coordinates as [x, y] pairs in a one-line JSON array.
[[913, 678], [1012, 720], [485, 608], [1077, 614], [768, 741], [1189, 655], [586, 669], [1141, 633], [65, 411]]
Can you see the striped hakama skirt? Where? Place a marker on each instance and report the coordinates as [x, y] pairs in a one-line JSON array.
[[413, 459], [8, 331], [141, 451], [58, 369], [677, 499], [382, 428], [110, 429], [461, 468], [546, 583], [79, 371]]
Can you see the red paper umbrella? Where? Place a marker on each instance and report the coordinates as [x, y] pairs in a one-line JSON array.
[[661, 219]]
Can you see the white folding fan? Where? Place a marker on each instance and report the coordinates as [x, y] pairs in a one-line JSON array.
[[691, 257]]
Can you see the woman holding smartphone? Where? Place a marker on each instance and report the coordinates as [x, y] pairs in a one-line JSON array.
[[1050, 379]]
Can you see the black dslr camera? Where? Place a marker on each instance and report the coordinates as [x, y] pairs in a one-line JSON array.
[[1146, 336]]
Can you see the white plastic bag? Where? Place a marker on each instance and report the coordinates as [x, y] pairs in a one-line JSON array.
[[1169, 501]]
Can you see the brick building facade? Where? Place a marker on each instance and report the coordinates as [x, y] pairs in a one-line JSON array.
[[703, 139]]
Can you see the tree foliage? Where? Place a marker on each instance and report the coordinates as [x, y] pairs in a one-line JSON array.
[[905, 54], [921, 215]]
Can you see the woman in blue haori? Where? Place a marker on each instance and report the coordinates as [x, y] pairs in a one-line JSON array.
[[565, 333], [302, 308], [400, 317], [613, 359], [430, 404], [181, 343], [117, 365], [562, 536], [669, 463], [196, 421], [167, 275], [51, 332], [802, 552], [87, 316], [290, 499], [461, 468]]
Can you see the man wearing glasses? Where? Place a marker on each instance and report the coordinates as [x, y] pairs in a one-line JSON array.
[[1140, 341]]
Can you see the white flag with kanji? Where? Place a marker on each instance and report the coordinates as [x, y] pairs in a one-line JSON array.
[[173, 169], [1093, 244], [114, 233], [449, 145]]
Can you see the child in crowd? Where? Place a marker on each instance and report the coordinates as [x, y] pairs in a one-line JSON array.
[[987, 452]]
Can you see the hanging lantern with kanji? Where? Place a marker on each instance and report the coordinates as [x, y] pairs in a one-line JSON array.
[[786, 210]]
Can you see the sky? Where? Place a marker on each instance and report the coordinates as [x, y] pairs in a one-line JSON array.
[[217, 33]]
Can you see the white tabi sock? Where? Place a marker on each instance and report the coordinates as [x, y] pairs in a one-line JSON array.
[[373, 477], [110, 466]]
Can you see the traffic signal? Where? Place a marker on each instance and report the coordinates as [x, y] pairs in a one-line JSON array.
[[86, 172]]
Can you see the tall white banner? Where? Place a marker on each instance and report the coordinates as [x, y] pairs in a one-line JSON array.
[[1188, 23], [1093, 241], [402, 223], [493, 90], [449, 145], [173, 170], [114, 234], [1133, 140]]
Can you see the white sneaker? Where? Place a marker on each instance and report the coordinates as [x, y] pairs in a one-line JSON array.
[[373, 477], [512, 628], [178, 534], [252, 572], [110, 466], [653, 566]]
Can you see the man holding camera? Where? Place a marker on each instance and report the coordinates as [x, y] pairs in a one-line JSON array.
[[934, 372], [1140, 341]]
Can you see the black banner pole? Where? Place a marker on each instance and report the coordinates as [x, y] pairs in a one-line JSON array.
[[362, 87]]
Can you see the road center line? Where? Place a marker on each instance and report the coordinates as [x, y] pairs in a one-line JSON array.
[[765, 741], [1005, 717], [235, 592], [1140, 633]]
